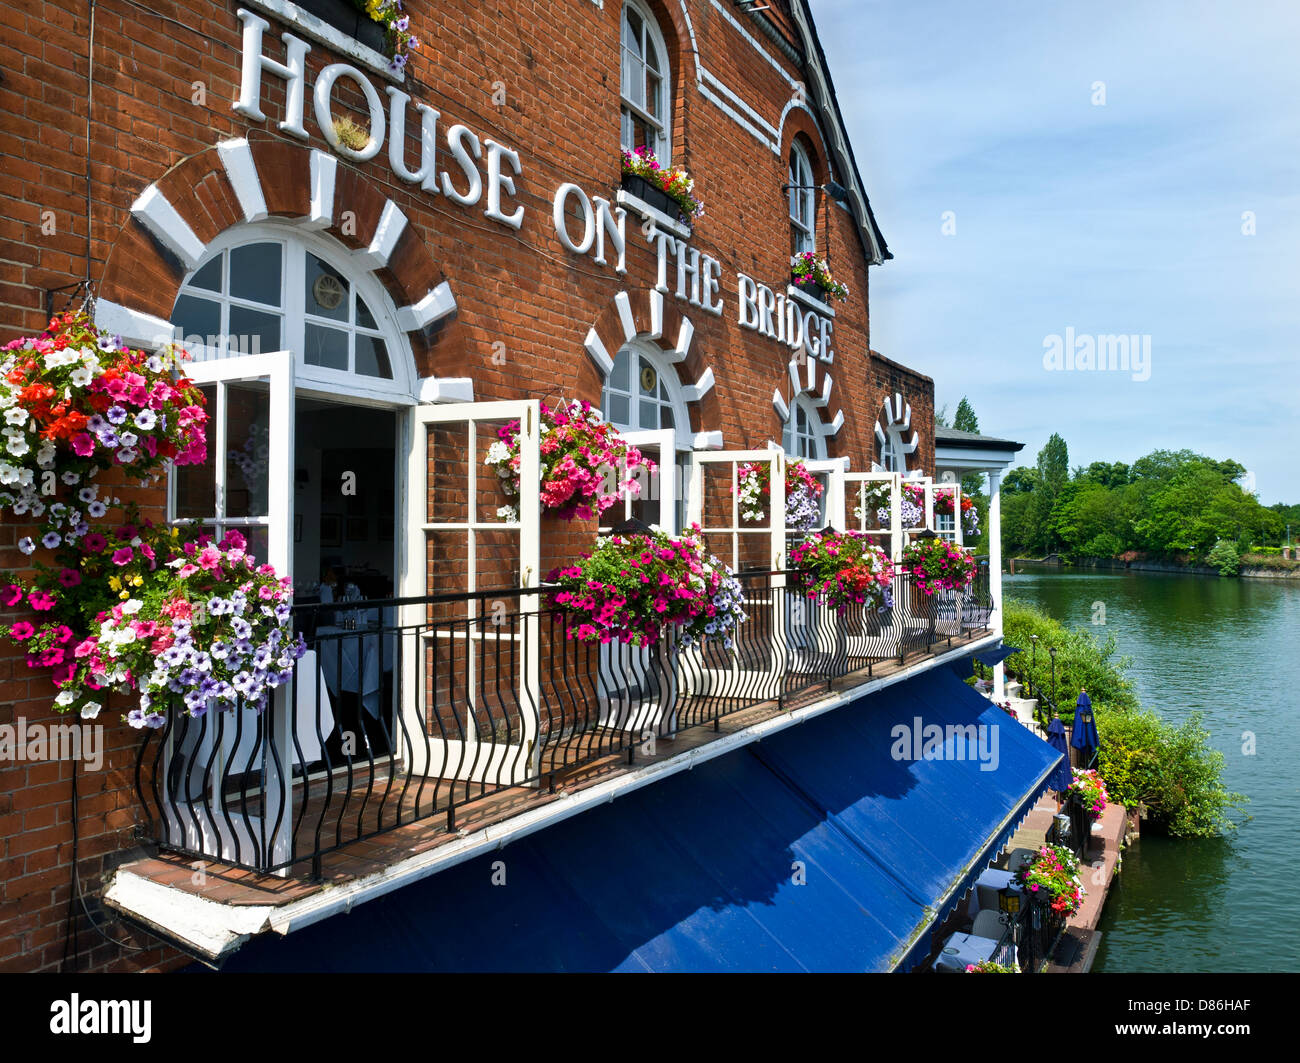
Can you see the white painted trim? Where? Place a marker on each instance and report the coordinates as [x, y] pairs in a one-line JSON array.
[[700, 388], [778, 403], [596, 350], [437, 304], [685, 333], [822, 400], [136, 329], [742, 122], [392, 223], [825, 309], [707, 440], [324, 168], [624, 306], [241, 172], [323, 33], [910, 446], [624, 198], [771, 61], [836, 424], [798, 102], [656, 314], [154, 211], [737, 101], [445, 389]]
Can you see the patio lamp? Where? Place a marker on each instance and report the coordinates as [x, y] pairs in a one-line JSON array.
[[1009, 900]]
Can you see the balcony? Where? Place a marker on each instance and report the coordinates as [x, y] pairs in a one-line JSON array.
[[419, 730]]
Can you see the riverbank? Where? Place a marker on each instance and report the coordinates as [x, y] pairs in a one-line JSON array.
[[1056, 563]]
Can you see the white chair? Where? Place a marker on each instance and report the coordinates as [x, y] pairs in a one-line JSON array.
[[1019, 858]]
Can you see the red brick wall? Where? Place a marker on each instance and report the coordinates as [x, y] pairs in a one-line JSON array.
[[559, 67]]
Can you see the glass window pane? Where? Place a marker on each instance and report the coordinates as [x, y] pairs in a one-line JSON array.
[[252, 331], [327, 291], [618, 377], [364, 317], [653, 94], [197, 322], [196, 485], [372, 357], [618, 410], [649, 414], [255, 273], [666, 417], [325, 346], [248, 415], [209, 277]]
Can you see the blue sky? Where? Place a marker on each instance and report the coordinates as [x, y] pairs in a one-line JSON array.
[[1120, 218]]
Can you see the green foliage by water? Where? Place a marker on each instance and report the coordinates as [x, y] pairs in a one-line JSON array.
[[1172, 505], [1171, 770], [1226, 557]]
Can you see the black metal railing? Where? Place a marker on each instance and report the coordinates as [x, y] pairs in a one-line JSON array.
[[408, 709]]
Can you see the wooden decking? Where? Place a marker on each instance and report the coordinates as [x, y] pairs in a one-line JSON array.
[[408, 815]]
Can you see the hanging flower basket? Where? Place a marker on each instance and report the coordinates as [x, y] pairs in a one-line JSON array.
[[843, 569], [802, 490], [669, 189], [635, 588], [875, 496], [75, 403], [937, 565], [812, 275], [586, 466]]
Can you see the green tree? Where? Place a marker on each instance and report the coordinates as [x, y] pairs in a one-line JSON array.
[[964, 420], [1053, 475]]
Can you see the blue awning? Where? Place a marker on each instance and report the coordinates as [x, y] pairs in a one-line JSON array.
[[825, 847]]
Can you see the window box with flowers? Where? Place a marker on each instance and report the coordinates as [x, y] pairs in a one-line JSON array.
[[811, 276], [1089, 787], [664, 194], [1052, 878], [376, 33]]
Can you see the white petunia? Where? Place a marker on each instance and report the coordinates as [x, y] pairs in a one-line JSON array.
[[16, 415]]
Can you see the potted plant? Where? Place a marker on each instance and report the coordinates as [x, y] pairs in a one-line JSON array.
[[669, 189], [586, 466], [843, 569], [812, 276], [634, 588], [1090, 788], [937, 565], [1052, 877], [802, 490]]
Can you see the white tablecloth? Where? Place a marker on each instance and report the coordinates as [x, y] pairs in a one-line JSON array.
[[355, 660], [984, 897], [962, 949]]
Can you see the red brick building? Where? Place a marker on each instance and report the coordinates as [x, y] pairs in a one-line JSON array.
[[467, 240]]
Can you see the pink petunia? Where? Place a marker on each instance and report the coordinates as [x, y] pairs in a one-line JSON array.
[[69, 577], [123, 556], [40, 601], [21, 631], [11, 595]]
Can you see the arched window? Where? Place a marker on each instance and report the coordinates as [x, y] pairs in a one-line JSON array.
[[642, 392], [803, 436], [270, 290], [892, 458], [647, 84], [803, 202]]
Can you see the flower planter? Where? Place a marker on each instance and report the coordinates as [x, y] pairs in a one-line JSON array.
[[811, 289], [344, 17], [656, 197]]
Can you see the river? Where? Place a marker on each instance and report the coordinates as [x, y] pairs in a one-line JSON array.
[[1230, 648]]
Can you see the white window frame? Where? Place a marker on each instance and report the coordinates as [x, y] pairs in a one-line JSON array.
[[791, 438], [399, 390], [803, 200], [642, 352], [663, 126]]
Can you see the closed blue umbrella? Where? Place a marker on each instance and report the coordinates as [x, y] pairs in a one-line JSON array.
[[1061, 777], [1083, 736]]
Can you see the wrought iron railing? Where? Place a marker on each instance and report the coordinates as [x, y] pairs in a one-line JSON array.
[[408, 709]]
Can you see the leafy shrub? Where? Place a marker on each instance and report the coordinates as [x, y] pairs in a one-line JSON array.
[[1226, 557], [1169, 768]]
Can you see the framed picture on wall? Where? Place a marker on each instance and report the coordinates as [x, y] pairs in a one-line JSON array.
[[358, 529], [331, 529]]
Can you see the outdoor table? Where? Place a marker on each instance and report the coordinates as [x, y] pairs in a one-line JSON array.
[[984, 897], [963, 949], [355, 659]]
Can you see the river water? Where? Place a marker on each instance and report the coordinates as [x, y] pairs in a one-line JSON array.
[[1230, 648]]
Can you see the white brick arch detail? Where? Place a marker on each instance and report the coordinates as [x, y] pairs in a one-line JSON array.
[[804, 380]]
